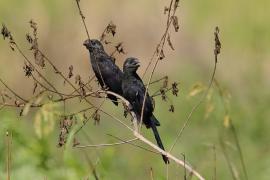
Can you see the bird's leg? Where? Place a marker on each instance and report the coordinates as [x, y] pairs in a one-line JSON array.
[[105, 88], [133, 120], [130, 108]]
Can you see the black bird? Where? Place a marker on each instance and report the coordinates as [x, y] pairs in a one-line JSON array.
[[107, 72], [134, 91]]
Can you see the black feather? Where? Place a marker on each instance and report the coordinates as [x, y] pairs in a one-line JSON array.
[[134, 91], [107, 72]]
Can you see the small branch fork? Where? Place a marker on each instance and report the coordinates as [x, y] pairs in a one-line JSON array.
[[111, 144]]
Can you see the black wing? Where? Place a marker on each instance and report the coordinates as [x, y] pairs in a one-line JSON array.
[[111, 74], [108, 74], [134, 91]]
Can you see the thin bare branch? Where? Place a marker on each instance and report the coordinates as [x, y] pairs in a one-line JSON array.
[[135, 144], [107, 144], [82, 17], [216, 52], [13, 92]]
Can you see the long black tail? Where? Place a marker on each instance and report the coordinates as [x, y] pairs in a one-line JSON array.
[[157, 137]]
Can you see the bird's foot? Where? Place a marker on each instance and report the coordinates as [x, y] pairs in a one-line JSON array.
[[105, 88]]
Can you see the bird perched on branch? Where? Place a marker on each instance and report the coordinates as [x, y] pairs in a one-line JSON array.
[[107, 72], [134, 91]]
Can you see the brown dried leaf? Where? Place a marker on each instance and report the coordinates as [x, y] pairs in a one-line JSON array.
[[111, 28], [77, 79], [70, 74], [28, 70], [166, 9], [217, 41], [29, 38], [170, 42], [96, 117], [171, 109], [82, 87], [33, 25], [119, 48], [165, 82], [175, 89], [175, 23], [65, 126], [163, 94], [161, 55], [39, 58], [5, 32], [176, 4]]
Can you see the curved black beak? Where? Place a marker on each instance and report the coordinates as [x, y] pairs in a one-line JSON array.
[[87, 42], [136, 63]]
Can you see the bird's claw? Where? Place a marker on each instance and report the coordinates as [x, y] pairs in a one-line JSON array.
[[105, 88]]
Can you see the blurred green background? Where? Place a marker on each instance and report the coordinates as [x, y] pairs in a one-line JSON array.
[[243, 70]]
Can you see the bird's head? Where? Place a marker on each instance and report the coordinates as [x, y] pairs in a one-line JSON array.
[[93, 45], [131, 64]]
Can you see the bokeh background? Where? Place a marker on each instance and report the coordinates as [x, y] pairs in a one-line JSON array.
[[243, 70]]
